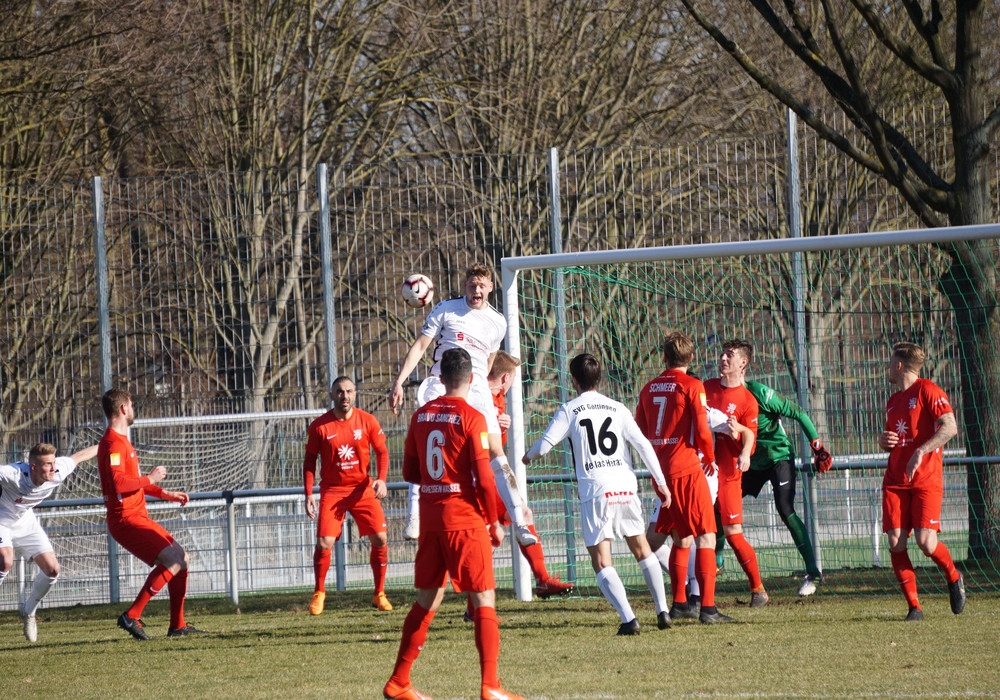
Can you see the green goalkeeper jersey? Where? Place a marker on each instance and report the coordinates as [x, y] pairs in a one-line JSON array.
[[773, 443]]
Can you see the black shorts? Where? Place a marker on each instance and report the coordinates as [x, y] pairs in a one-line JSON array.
[[781, 475]]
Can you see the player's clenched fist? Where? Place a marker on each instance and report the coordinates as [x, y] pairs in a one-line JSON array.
[[821, 456]]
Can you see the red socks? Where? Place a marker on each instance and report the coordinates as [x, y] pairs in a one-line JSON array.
[[379, 559], [536, 558], [488, 644], [157, 579], [415, 627], [679, 558], [907, 577], [747, 559], [942, 557], [321, 566], [704, 571], [177, 587]]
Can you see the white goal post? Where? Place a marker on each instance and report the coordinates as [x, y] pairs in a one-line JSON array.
[[512, 266]]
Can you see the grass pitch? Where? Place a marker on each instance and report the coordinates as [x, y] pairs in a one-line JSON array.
[[826, 646]]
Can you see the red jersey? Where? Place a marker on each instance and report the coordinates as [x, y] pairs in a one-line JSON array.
[[736, 402], [500, 401], [671, 413], [343, 447], [447, 454], [123, 488], [912, 414]]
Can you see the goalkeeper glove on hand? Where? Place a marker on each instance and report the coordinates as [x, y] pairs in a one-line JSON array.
[[821, 456]]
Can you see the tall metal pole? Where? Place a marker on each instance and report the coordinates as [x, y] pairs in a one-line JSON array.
[[799, 310], [562, 349], [326, 267], [104, 344]]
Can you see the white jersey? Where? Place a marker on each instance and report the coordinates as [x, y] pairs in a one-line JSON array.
[[599, 429], [457, 325], [18, 493]]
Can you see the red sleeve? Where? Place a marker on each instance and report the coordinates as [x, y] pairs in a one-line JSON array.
[[479, 458], [937, 400], [153, 490], [128, 484], [702, 434], [380, 447], [309, 462], [640, 416], [411, 462]]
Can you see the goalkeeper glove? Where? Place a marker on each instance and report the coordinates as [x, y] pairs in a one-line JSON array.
[[821, 456]]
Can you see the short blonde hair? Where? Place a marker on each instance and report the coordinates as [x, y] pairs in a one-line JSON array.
[[503, 362], [911, 355], [678, 350]]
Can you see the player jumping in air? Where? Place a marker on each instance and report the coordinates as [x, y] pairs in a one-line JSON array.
[[469, 323]]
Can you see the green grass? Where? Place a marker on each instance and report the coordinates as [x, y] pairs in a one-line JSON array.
[[827, 646]]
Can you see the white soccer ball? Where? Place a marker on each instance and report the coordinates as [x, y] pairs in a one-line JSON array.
[[418, 290]]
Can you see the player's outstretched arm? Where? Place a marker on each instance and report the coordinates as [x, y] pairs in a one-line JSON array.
[[84, 454], [409, 363], [176, 496]]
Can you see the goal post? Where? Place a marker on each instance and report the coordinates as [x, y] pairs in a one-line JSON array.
[[864, 292]]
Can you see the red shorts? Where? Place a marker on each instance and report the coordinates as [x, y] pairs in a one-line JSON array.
[[908, 508], [690, 511], [465, 555], [730, 500], [360, 502], [142, 536]]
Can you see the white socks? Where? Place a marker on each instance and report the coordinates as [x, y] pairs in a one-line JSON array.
[[508, 491], [414, 512], [614, 590], [43, 582], [663, 556], [654, 581]]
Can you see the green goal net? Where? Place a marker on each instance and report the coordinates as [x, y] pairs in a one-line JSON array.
[[822, 315]]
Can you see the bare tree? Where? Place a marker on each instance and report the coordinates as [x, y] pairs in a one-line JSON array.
[[859, 53]]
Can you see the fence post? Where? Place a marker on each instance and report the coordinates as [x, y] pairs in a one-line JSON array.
[[326, 260], [104, 340], [559, 299], [801, 355], [234, 571]]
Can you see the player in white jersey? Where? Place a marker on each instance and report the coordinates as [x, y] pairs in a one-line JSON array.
[[469, 323], [23, 485], [599, 430]]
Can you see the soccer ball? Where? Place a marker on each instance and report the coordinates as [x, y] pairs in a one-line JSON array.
[[418, 290]]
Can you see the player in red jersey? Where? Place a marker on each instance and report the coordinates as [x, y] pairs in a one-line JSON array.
[[447, 453], [500, 378], [129, 523], [671, 413], [342, 439], [727, 393], [919, 421]]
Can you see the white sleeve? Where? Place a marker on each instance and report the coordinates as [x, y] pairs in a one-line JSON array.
[[9, 475], [432, 324], [556, 432], [64, 467], [645, 449], [717, 420]]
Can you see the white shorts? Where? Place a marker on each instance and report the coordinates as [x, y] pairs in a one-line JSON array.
[[610, 517], [480, 398], [26, 537], [713, 488]]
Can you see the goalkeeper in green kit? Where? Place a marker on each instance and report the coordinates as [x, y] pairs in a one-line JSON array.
[[774, 460]]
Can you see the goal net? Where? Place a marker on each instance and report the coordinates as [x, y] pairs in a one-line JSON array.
[[822, 314]]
